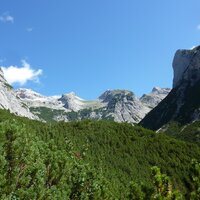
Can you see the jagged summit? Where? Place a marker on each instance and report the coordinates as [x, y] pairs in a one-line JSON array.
[[159, 90], [155, 97], [155, 89]]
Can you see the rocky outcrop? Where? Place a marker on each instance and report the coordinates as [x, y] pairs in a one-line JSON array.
[[186, 65], [183, 102]]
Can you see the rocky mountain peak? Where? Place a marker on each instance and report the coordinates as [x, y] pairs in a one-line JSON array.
[[160, 90], [108, 95], [152, 99], [24, 93], [186, 65], [71, 101], [70, 95], [183, 102], [156, 89]]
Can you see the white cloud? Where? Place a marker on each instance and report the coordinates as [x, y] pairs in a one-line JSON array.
[[20, 75], [6, 18], [30, 29]]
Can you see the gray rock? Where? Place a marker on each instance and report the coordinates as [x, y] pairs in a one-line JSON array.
[[186, 65], [9, 101], [183, 102], [155, 97], [117, 105]]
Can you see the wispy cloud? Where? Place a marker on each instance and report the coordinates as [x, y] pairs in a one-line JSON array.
[[6, 18], [29, 29], [21, 75]]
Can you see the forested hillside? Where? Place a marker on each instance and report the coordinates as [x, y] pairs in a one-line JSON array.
[[86, 160]]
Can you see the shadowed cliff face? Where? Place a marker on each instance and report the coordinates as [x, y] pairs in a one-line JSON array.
[[183, 102]]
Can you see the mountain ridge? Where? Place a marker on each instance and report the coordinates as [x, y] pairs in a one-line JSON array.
[[118, 105]]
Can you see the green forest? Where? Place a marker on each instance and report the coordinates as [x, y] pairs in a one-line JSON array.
[[95, 160]]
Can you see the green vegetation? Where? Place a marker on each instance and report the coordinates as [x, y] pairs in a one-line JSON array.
[[163, 188], [92, 160], [49, 115], [33, 169], [189, 132]]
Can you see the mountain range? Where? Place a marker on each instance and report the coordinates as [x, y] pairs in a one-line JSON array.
[[153, 110], [117, 105], [82, 159]]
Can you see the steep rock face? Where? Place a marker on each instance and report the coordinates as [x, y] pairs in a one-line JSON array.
[[9, 101], [181, 62], [183, 102], [186, 66]]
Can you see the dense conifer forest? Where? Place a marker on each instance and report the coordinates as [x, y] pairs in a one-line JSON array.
[[94, 160]]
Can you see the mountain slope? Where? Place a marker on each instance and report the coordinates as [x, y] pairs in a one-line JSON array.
[[119, 152], [183, 102]]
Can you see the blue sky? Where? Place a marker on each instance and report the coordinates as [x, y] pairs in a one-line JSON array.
[[93, 45]]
